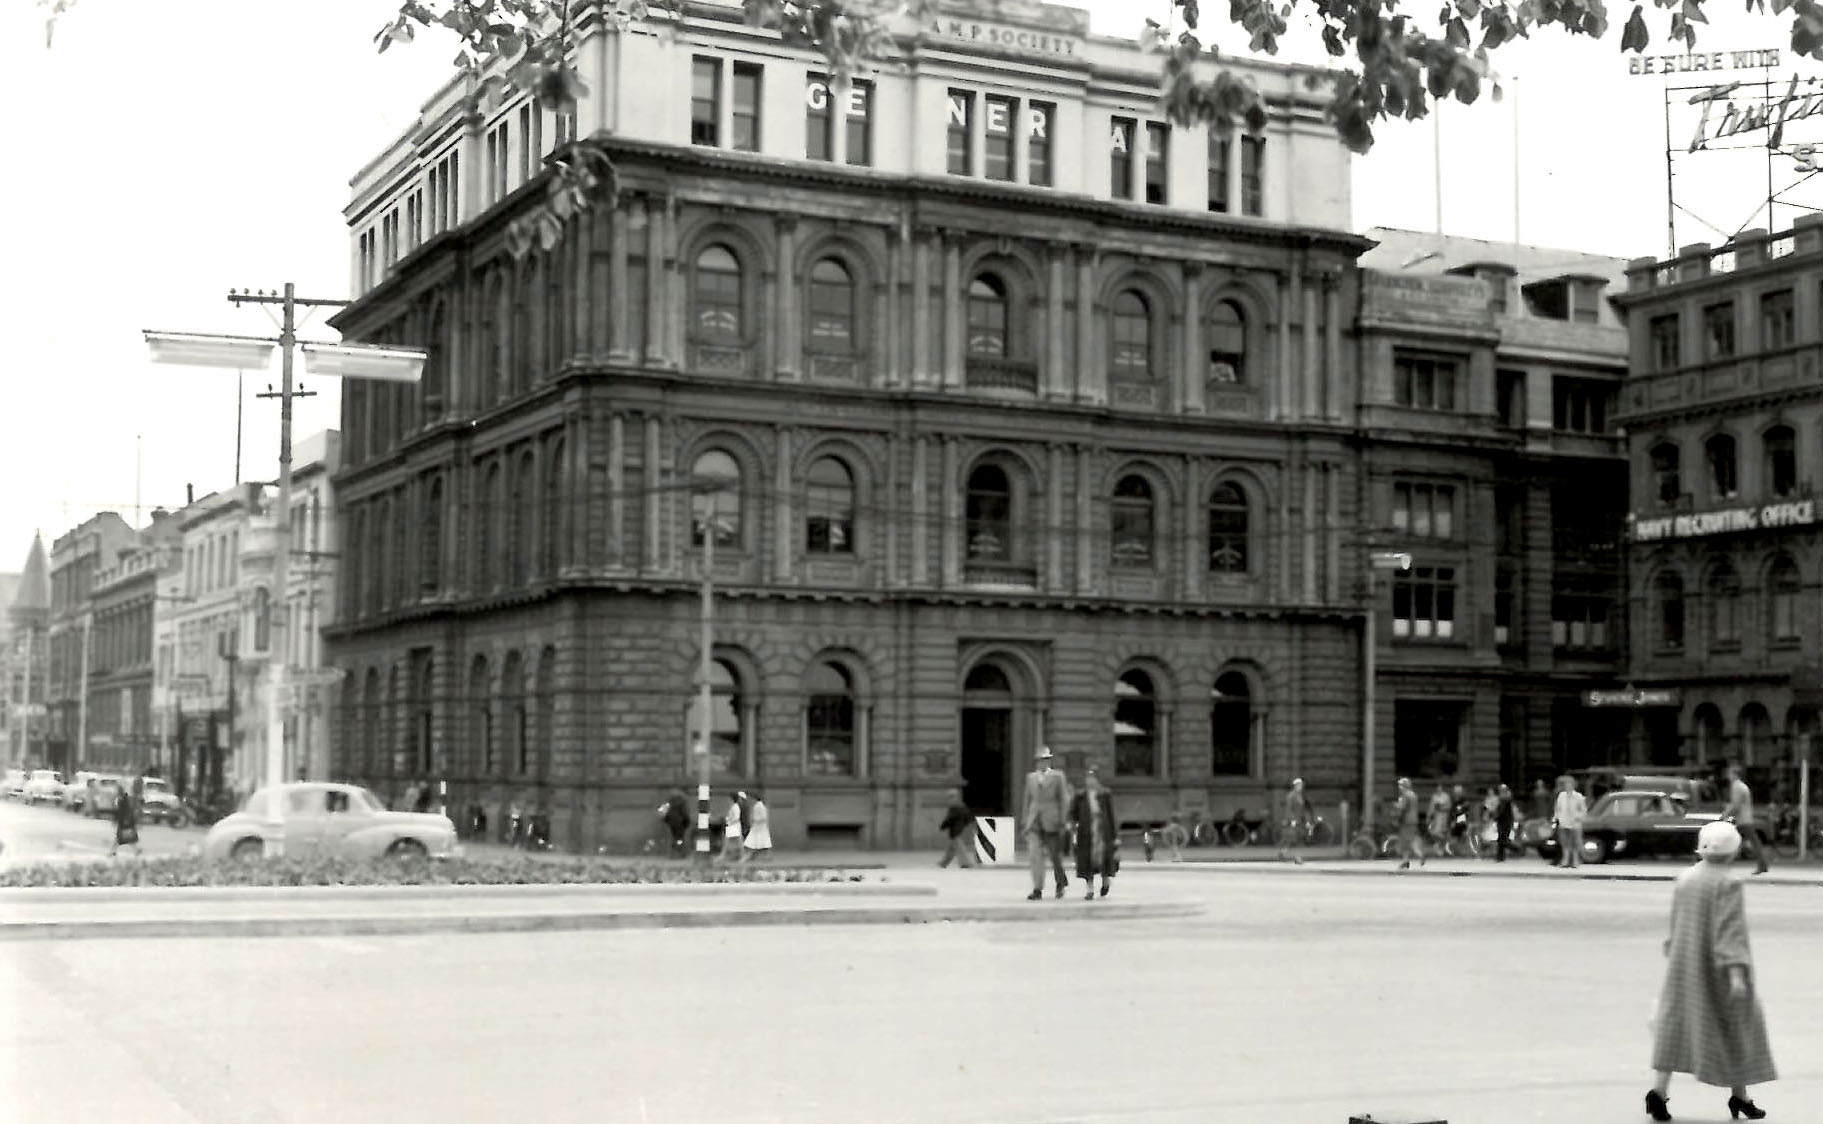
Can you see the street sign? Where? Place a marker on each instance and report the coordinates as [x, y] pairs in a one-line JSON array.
[[190, 686], [1634, 697], [29, 710], [315, 676]]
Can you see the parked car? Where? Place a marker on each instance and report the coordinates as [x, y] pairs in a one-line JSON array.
[[13, 787], [45, 786], [76, 793], [342, 820], [1623, 824], [158, 803], [1695, 785], [104, 790]]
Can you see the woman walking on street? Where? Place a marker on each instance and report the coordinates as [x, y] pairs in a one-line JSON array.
[[759, 830], [1503, 822], [731, 829], [1405, 814], [1709, 1022], [126, 819], [1567, 817], [1097, 841]]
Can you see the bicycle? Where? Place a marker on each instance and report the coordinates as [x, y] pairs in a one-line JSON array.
[[1314, 832]]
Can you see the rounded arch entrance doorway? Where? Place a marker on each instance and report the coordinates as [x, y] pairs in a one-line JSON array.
[[998, 728]]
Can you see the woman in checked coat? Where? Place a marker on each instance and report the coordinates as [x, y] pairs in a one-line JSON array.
[[1709, 1022], [1097, 835]]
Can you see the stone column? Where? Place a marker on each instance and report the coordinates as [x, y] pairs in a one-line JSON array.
[[656, 286], [1056, 369], [1052, 581], [1085, 521], [619, 329], [888, 357], [888, 537], [952, 516], [784, 526], [1332, 346], [577, 557], [920, 511], [1332, 534], [1287, 537], [920, 310], [651, 476], [1194, 566], [787, 333], [1313, 354], [581, 328], [1283, 405], [1307, 536], [617, 489], [953, 350], [1195, 366], [677, 297], [1091, 372]]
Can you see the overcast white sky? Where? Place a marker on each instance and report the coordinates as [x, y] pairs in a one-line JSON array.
[[164, 152]]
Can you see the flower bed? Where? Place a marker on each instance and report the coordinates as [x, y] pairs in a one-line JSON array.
[[186, 870]]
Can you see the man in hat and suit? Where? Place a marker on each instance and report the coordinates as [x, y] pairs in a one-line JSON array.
[[1047, 809]]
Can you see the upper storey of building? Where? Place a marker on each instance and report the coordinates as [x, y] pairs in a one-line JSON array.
[[1725, 331], [996, 91]]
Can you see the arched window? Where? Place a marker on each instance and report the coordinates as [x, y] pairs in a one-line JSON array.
[[720, 311], [1231, 725], [1667, 473], [1724, 474], [721, 506], [1724, 596], [547, 713], [262, 619], [354, 562], [556, 527], [987, 317], [525, 333], [727, 718], [829, 721], [487, 538], [435, 387], [1668, 601], [832, 307], [1227, 343], [496, 319], [1135, 726], [1783, 585], [1755, 735], [512, 694], [989, 515], [1707, 726], [481, 717], [1133, 528], [422, 710], [1229, 520], [519, 522], [401, 593], [389, 724], [1130, 336], [371, 709], [376, 550], [430, 543], [1781, 460], [556, 315], [829, 505]]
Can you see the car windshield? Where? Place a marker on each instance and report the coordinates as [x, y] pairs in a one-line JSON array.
[[44, 775], [361, 800], [155, 785]]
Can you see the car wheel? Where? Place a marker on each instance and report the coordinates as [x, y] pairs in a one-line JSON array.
[[248, 850], [407, 850], [179, 819], [1595, 850]]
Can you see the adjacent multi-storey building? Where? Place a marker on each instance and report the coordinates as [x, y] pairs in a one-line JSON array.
[[122, 733], [25, 660], [1489, 455], [1724, 420], [77, 556], [1015, 416]]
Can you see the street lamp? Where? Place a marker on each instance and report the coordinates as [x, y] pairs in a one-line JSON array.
[[1377, 561], [322, 360], [703, 728]]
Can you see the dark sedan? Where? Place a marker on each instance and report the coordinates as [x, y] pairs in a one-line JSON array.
[[1623, 824]]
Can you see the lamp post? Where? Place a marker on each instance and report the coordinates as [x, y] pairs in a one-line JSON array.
[[334, 360], [1376, 562], [713, 487], [79, 754]]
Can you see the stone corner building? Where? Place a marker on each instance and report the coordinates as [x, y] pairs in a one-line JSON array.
[[1037, 409]]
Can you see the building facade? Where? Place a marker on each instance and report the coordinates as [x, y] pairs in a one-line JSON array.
[[76, 558], [1015, 416], [25, 661], [1724, 417], [1490, 456], [123, 735]]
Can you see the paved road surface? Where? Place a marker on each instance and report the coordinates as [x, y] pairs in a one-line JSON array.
[[1298, 999]]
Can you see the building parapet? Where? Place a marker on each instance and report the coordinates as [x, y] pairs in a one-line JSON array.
[[1749, 249]]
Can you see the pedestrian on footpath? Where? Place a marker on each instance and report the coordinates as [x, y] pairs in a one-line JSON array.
[[1046, 811], [1709, 1022], [1541, 800], [959, 825], [1567, 819], [1097, 835], [1740, 813], [126, 818], [1405, 814], [676, 816], [1297, 822], [731, 829], [759, 830], [1503, 822], [1437, 821]]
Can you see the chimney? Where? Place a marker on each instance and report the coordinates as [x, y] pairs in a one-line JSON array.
[[189, 494]]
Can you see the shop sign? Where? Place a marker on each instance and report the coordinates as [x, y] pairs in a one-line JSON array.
[[1025, 40], [1634, 697], [1757, 59], [1725, 521]]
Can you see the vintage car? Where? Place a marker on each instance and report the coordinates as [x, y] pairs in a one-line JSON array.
[[45, 786], [1623, 824], [13, 787], [341, 820], [76, 793]]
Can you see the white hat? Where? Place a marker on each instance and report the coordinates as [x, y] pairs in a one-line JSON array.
[[1718, 839], [1044, 753]]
